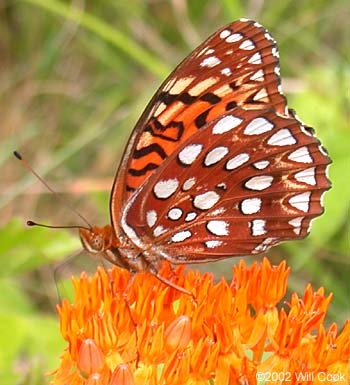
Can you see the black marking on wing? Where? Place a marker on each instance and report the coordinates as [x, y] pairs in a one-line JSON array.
[[154, 147], [144, 170], [234, 87], [158, 126], [166, 98], [210, 98], [201, 119], [230, 105], [186, 98]]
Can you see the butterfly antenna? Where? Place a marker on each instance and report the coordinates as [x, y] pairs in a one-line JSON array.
[[32, 223], [65, 203]]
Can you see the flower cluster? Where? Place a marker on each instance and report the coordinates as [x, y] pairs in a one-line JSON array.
[[124, 330]]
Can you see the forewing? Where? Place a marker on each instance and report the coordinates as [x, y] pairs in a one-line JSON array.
[[237, 66]]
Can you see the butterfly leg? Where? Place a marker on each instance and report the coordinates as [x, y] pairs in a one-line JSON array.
[[155, 272], [133, 320]]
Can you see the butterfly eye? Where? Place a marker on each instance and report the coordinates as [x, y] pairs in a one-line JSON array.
[[97, 243], [92, 242]]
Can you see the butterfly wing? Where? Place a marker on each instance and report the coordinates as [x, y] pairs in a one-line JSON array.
[[243, 183], [237, 66]]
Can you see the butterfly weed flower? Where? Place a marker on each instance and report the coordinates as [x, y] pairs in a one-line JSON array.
[[145, 332]]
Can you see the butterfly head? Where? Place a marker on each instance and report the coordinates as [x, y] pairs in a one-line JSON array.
[[97, 239]]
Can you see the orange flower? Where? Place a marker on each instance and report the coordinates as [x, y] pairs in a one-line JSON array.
[[145, 332]]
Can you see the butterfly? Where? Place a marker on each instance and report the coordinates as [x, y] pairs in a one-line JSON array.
[[217, 166]]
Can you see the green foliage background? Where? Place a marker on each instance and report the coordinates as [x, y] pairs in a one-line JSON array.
[[74, 78]]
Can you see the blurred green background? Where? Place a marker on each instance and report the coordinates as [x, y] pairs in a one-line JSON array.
[[74, 78]]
